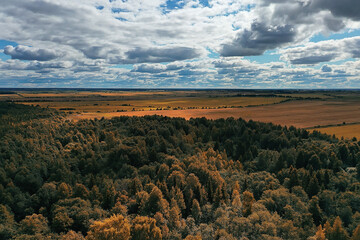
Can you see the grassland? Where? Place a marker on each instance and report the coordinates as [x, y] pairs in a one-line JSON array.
[[305, 109]]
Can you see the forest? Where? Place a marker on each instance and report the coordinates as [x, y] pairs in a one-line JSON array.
[[154, 177]]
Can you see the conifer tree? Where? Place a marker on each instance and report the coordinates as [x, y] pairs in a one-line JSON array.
[[248, 200]]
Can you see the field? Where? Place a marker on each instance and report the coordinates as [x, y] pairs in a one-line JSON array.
[[348, 131], [304, 114], [101, 102], [108, 106], [320, 110]]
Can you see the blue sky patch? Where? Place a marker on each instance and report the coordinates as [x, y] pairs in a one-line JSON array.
[[3, 44], [336, 36], [126, 66], [268, 57], [119, 10]]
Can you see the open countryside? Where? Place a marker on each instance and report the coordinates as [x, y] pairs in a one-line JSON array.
[[314, 110]]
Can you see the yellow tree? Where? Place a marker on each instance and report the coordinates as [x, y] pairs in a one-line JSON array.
[[337, 232], [114, 228], [174, 215], [191, 237], [356, 234], [35, 223], [236, 201], [144, 228], [248, 200], [72, 235], [320, 234]]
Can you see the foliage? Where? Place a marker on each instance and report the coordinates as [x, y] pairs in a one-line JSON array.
[[157, 177]]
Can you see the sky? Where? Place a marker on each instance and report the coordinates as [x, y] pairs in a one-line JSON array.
[[180, 44]]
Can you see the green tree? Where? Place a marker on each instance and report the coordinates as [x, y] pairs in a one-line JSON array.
[[195, 210], [315, 210]]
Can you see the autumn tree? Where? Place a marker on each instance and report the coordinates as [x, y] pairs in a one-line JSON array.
[[174, 215], [144, 228], [114, 228], [356, 234], [336, 232], [247, 202], [33, 224], [7, 223], [320, 234]]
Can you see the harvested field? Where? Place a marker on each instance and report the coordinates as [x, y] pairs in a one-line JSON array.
[[106, 106], [303, 114], [300, 108], [90, 94], [347, 131]]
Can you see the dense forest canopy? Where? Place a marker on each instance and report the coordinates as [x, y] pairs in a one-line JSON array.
[[167, 178]]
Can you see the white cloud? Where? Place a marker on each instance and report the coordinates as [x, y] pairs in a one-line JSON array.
[[74, 42], [324, 51]]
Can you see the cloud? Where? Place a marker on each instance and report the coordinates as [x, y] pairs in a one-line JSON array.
[[326, 68], [158, 55], [258, 39], [149, 68], [82, 42], [345, 8], [324, 51], [29, 53], [34, 65], [280, 23], [313, 59]]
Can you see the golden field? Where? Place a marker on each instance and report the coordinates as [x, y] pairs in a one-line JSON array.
[[303, 114], [305, 109], [104, 106], [346, 131]]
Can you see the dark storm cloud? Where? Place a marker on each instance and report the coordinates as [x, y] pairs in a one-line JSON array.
[[158, 55], [258, 39], [28, 53]]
